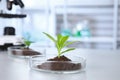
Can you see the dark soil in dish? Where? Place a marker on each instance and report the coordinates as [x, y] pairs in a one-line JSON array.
[[61, 64], [25, 52]]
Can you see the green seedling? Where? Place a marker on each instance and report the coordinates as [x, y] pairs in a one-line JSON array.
[[27, 43], [60, 43]]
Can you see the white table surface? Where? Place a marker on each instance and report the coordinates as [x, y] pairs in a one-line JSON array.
[[101, 65]]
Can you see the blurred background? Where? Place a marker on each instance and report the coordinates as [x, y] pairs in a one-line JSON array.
[[94, 24]]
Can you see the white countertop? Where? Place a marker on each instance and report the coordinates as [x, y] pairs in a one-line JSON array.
[[101, 65]]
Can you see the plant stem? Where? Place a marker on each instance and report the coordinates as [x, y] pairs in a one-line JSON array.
[[59, 54], [27, 47]]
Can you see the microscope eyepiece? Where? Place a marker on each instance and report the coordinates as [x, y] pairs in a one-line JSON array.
[[19, 2], [16, 2]]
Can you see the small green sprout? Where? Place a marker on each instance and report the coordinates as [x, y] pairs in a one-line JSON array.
[[27, 40], [60, 43], [27, 43]]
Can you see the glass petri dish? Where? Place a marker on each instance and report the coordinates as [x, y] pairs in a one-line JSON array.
[[21, 52], [45, 64]]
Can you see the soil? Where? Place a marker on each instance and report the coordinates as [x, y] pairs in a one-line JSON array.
[[61, 64], [26, 52]]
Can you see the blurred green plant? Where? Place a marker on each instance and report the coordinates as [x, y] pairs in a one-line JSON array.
[[27, 43]]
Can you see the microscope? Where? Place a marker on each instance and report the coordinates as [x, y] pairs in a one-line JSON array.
[[15, 2]]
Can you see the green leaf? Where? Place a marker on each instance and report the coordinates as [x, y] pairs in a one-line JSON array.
[[27, 42], [49, 36], [70, 49], [68, 43], [63, 41], [59, 36], [58, 46]]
